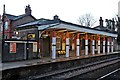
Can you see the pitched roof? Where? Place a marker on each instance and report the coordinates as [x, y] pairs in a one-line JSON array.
[[77, 28], [41, 21], [13, 17], [103, 28]]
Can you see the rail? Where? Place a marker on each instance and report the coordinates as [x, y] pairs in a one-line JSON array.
[[108, 74], [72, 72]]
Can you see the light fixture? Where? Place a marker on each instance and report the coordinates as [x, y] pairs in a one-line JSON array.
[[16, 32], [45, 35]]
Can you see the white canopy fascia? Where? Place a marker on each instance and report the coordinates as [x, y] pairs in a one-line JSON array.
[[77, 28]]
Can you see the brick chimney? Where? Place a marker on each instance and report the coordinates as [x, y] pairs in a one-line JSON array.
[[110, 24], [56, 17], [28, 10], [101, 22], [107, 24], [113, 24]]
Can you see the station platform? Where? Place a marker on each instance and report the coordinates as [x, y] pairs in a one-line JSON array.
[[44, 60]]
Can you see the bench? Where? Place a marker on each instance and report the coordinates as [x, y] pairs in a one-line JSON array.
[[61, 52]]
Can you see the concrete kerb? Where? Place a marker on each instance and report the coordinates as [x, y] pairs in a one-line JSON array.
[[42, 61]]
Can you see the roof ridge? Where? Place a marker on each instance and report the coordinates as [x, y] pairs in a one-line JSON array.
[[11, 15]]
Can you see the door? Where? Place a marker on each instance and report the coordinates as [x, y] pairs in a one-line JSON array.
[[45, 46]]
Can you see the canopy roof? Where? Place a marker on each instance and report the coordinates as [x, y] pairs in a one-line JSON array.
[[44, 24]]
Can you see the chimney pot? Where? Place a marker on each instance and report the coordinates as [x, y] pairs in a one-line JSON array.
[[56, 17], [28, 10], [101, 22]]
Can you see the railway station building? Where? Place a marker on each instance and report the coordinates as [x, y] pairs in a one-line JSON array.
[[58, 38]]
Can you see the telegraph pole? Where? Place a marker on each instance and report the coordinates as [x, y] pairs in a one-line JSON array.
[[3, 31]]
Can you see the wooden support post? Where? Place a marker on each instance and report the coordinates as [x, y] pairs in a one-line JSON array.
[[98, 44], [86, 44], [67, 44], [93, 45], [112, 44], [108, 44], [54, 45], [78, 45], [103, 45]]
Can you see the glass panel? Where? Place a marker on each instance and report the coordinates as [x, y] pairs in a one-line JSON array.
[[6, 25], [58, 44]]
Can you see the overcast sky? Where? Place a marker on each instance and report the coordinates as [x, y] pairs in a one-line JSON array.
[[67, 10]]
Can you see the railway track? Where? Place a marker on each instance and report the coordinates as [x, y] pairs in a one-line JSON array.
[[76, 71], [107, 76]]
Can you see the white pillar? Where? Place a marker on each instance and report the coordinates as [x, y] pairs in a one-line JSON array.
[[78, 46], [98, 44], [103, 45], [108, 45], [112, 45], [67, 45], [86, 44], [93, 46], [54, 46]]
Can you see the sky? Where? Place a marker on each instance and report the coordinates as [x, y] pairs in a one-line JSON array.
[[67, 10]]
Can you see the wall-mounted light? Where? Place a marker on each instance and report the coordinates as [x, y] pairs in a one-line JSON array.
[[16, 35], [45, 35], [16, 32]]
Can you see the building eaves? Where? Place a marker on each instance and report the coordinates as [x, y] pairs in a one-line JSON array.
[[114, 32], [104, 29], [11, 17], [23, 15], [38, 22], [20, 16], [43, 21], [28, 24]]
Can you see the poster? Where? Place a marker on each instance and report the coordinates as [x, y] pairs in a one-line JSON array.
[[35, 47], [12, 47]]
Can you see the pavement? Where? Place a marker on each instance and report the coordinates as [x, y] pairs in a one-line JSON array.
[[45, 60]]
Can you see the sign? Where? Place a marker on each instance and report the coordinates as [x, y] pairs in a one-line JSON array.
[[35, 47], [12, 47], [31, 36]]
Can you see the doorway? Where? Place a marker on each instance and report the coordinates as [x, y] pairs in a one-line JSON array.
[[45, 47]]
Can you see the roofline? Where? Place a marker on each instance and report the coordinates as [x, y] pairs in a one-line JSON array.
[[38, 23], [85, 27], [11, 15], [24, 16], [18, 16], [61, 21]]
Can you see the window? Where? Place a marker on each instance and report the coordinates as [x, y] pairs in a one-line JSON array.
[[5, 37], [6, 25], [58, 44]]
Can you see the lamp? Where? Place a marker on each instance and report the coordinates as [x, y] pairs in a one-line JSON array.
[[16, 35], [45, 35], [16, 32]]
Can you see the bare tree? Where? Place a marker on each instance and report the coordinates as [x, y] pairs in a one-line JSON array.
[[87, 20]]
